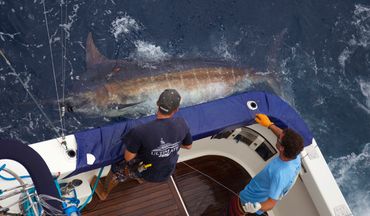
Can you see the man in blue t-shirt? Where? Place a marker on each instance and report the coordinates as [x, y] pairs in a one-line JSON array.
[[158, 141], [155, 143], [277, 177]]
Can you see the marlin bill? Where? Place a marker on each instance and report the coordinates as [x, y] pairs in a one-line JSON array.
[[125, 88]]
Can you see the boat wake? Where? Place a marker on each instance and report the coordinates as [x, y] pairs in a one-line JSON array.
[[348, 171]]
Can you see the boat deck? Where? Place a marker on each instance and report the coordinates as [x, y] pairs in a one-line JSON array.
[[196, 181]]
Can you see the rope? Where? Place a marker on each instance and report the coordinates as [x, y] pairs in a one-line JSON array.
[[28, 91], [52, 65], [10, 179], [93, 190]]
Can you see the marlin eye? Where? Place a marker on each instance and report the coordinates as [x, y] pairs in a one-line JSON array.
[[116, 69]]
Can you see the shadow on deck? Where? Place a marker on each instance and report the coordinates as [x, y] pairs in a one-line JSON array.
[[201, 194]]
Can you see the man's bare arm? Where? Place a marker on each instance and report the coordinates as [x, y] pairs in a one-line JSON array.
[[264, 120], [276, 130], [268, 204], [186, 146]]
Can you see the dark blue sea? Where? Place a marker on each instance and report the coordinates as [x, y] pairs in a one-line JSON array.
[[319, 50]]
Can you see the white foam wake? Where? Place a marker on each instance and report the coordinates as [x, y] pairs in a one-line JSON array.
[[349, 171], [365, 90], [71, 19], [361, 38], [361, 20]]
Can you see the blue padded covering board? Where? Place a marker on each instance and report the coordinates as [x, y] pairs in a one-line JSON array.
[[203, 119]]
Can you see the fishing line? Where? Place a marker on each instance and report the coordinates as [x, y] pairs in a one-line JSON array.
[[253, 107], [28, 91], [52, 65], [219, 183], [64, 56], [64, 42], [62, 35]]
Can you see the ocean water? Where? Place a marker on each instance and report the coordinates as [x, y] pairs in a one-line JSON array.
[[319, 51]]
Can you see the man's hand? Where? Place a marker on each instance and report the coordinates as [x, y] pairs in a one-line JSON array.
[[252, 207], [129, 155], [263, 120]]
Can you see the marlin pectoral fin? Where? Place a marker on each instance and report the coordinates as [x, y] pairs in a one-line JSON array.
[[118, 106]]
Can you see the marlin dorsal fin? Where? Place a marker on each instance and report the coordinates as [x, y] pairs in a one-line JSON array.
[[93, 56]]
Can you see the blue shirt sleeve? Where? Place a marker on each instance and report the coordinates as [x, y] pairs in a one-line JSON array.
[[188, 139], [133, 141]]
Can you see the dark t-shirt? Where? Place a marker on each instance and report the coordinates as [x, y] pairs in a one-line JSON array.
[[157, 142]]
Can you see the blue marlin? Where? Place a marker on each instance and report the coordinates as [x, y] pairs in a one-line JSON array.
[[122, 87]]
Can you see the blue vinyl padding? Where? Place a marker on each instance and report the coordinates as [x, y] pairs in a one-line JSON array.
[[203, 119]]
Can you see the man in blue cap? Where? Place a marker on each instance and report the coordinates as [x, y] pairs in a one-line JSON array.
[[155, 144]]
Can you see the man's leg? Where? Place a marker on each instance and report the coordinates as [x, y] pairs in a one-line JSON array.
[[103, 189], [135, 175], [110, 182], [99, 190], [234, 207]]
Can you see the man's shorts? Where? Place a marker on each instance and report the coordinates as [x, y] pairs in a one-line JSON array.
[[123, 170]]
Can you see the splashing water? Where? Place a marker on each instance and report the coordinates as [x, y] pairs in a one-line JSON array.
[[124, 25], [348, 171], [361, 19], [365, 89], [224, 50], [361, 37], [147, 52]]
